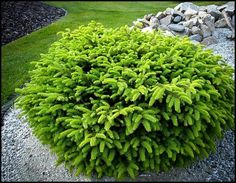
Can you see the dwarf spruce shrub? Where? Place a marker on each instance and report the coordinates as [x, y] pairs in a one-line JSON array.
[[118, 102]]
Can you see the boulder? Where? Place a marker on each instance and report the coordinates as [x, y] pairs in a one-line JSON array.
[[186, 32], [230, 8], [148, 17], [196, 30], [196, 37], [190, 23], [209, 21], [144, 21], [154, 26], [212, 9], [177, 19], [202, 14], [190, 12], [160, 15], [182, 7], [169, 11], [205, 30], [178, 13], [221, 23], [166, 20], [220, 8], [154, 20], [209, 40], [176, 27], [202, 8]]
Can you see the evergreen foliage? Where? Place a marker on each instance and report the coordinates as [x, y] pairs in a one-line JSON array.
[[118, 102]]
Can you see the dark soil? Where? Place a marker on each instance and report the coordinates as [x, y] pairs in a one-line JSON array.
[[23, 17]]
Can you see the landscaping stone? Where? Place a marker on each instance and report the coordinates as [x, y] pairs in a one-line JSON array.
[[186, 32], [154, 20], [166, 20], [202, 8], [230, 8], [205, 31], [190, 12], [196, 30], [185, 6], [213, 11], [177, 19], [160, 15], [221, 23], [176, 27], [196, 37], [209, 40], [190, 23], [189, 19], [148, 17], [209, 21], [169, 11]]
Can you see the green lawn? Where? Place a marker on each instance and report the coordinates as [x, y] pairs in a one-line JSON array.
[[17, 55]]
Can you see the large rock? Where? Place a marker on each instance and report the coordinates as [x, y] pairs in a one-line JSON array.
[[169, 11], [160, 15], [154, 20], [209, 21], [205, 30], [186, 32], [202, 14], [177, 19], [196, 37], [220, 8], [221, 23], [186, 5], [202, 8], [166, 20], [176, 27], [190, 23], [230, 8], [178, 13], [196, 30], [209, 40], [190, 12], [144, 21], [212, 9], [148, 17]]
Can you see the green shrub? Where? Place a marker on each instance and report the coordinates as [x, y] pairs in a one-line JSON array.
[[118, 102]]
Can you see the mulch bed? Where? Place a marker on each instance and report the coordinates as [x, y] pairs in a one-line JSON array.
[[23, 17]]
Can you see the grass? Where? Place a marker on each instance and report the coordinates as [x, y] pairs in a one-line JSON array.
[[17, 55]]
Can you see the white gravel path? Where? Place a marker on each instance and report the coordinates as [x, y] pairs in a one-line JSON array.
[[24, 158]]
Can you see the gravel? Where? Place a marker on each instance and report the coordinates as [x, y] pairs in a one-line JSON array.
[[24, 158], [23, 17]]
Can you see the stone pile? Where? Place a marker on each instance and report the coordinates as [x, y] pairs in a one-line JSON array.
[[197, 22]]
